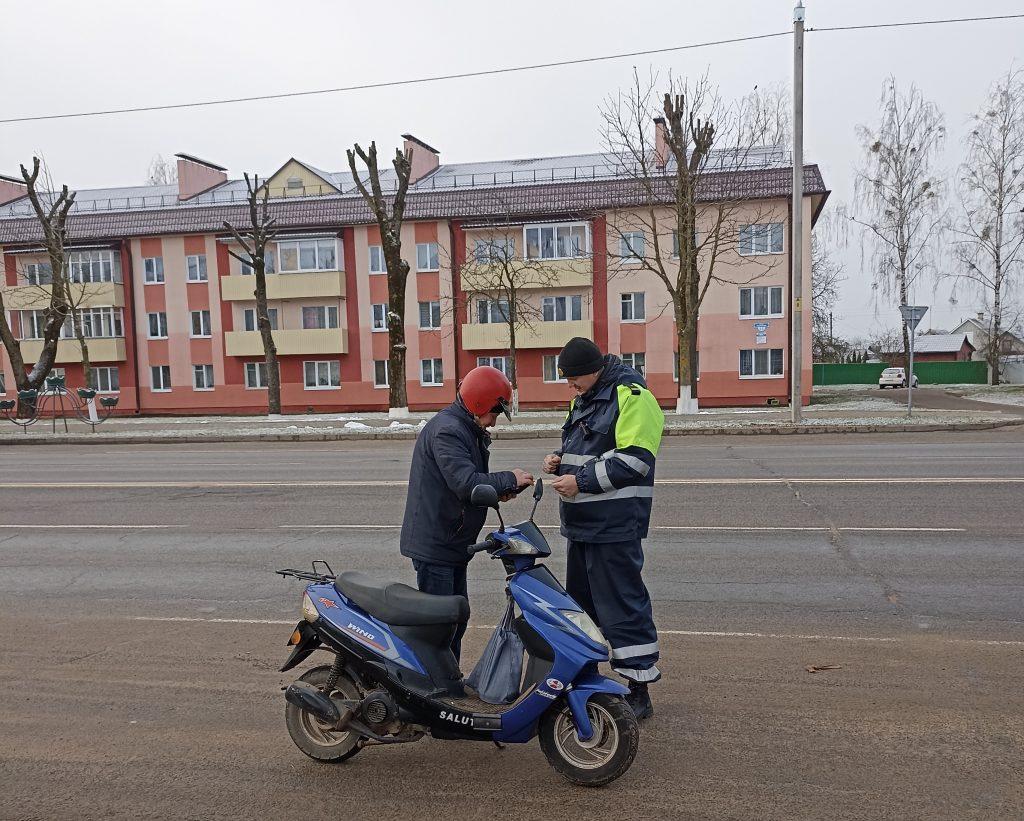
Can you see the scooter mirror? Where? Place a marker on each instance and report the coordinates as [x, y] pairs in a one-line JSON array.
[[538, 490], [484, 496]]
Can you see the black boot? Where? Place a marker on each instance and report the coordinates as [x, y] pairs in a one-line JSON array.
[[639, 700]]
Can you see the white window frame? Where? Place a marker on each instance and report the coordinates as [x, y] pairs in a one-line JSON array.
[[758, 231], [544, 369], [259, 370], [325, 312], [770, 315], [161, 324], [3, 384], [630, 360], [630, 298], [208, 378], [94, 266], [569, 302], [298, 244], [376, 254], [628, 254], [540, 227], [491, 360], [106, 370], [436, 364], [753, 364], [34, 269], [379, 317], [429, 251], [491, 302], [247, 312], [202, 314], [153, 270], [387, 373], [332, 366], [201, 274], [269, 264], [487, 251], [434, 315], [109, 321], [165, 385]]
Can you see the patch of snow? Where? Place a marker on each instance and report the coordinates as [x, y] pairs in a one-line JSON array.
[[357, 426]]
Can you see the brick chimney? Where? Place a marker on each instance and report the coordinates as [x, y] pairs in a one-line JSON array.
[[11, 188], [424, 158], [660, 142], [196, 176]]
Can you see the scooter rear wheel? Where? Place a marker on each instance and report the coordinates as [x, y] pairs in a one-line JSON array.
[[602, 759], [314, 737]]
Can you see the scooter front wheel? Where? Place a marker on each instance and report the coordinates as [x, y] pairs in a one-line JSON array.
[[312, 735], [608, 753]]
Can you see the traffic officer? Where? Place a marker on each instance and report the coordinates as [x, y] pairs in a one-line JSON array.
[[450, 458], [605, 479]]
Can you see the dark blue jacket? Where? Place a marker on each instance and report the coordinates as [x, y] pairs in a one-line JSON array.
[[609, 441], [449, 460]]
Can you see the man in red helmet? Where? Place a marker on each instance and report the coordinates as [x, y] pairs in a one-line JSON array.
[[449, 460]]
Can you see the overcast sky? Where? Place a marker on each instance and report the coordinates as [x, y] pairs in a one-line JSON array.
[[96, 55]]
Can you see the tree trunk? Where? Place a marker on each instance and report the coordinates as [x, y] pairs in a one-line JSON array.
[[267, 336], [76, 325], [398, 395], [513, 371]]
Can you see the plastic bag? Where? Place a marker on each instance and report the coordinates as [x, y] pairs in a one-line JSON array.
[[497, 675]]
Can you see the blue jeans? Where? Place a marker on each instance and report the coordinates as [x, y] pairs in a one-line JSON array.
[[443, 580]]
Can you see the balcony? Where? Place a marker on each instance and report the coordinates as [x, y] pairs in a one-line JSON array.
[[494, 336], [316, 284], [105, 349], [83, 294], [549, 273], [320, 341]]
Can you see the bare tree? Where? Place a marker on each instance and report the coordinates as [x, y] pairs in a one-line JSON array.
[[689, 236], [990, 230], [389, 213], [254, 239], [51, 210], [887, 344], [898, 193], [161, 172], [826, 276], [507, 283]]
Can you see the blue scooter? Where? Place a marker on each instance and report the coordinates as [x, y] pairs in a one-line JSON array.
[[395, 679]]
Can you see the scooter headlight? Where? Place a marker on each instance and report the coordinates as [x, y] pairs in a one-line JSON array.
[[518, 546], [309, 611], [585, 625]]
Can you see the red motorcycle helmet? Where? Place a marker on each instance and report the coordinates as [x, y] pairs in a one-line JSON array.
[[486, 390]]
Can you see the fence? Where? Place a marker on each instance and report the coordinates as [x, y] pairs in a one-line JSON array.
[[928, 373]]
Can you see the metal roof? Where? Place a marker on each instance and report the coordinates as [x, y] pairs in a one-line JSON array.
[[939, 343]]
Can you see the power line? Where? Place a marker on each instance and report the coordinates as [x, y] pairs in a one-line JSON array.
[[495, 71]]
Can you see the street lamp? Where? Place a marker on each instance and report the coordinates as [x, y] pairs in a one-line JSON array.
[[912, 316]]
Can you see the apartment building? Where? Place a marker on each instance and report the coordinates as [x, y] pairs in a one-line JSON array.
[[170, 314]]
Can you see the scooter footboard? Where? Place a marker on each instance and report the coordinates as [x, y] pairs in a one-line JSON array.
[[577, 697]]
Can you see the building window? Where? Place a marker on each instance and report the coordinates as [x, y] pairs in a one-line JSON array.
[[3, 385], [491, 310], [97, 323], [319, 317], [561, 308], [201, 324], [499, 249], [631, 246], [196, 265], [633, 308], [380, 373], [322, 375], [430, 316], [308, 255], [94, 266], [160, 378], [249, 318], [380, 317], [557, 241], [202, 377], [765, 238], [759, 363], [104, 380], [431, 372], [154, 270], [551, 373], [499, 362], [255, 375], [268, 265], [39, 273], [761, 302], [158, 325], [426, 256], [636, 361], [377, 265]]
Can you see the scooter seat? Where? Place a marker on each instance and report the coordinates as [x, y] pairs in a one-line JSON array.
[[396, 603]]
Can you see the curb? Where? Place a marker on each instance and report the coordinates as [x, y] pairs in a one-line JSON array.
[[548, 433]]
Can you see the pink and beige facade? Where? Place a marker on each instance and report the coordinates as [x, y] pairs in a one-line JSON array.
[[170, 312]]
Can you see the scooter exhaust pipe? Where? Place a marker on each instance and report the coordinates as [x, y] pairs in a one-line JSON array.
[[309, 698]]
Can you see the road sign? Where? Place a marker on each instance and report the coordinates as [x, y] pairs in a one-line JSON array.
[[913, 314], [760, 333]]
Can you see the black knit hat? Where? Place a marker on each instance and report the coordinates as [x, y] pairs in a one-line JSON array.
[[580, 356]]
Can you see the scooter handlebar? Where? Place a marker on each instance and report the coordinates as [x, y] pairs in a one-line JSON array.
[[473, 549]]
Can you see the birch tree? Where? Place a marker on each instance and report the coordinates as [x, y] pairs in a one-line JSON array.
[[254, 239], [989, 231], [389, 212]]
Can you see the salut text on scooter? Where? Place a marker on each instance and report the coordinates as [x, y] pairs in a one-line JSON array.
[[394, 677]]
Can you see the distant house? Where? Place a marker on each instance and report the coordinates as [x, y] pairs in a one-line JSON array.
[[954, 347], [977, 330]]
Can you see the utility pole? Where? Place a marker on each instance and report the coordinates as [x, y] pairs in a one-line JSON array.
[[796, 348]]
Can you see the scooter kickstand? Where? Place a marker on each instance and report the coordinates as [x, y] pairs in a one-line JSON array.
[[498, 744]]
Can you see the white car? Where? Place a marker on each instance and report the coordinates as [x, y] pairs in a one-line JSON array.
[[894, 378]]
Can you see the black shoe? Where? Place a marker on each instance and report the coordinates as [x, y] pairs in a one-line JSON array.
[[639, 700]]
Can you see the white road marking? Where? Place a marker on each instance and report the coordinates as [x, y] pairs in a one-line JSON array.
[[722, 634], [694, 528], [89, 527]]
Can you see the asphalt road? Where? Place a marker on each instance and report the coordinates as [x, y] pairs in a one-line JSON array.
[[144, 626]]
